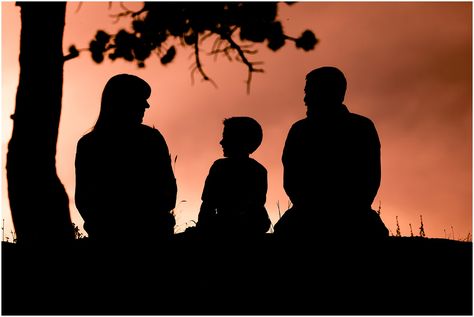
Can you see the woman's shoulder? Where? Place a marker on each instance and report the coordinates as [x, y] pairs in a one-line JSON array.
[[143, 128], [150, 133]]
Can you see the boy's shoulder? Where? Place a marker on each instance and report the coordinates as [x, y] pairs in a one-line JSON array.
[[257, 164], [232, 163]]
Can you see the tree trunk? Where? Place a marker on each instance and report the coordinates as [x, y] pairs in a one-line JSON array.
[[38, 200]]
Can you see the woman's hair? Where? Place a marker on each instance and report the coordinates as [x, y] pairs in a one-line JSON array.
[[246, 131], [120, 93]]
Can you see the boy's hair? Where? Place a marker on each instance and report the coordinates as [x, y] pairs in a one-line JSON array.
[[246, 131]]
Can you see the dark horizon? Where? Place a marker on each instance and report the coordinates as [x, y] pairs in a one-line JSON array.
[[417, 91]]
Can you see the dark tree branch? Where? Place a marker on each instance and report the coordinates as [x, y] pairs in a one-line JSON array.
[[192, 25], [79, 6], [224, 51], [73, 53], [199, 65], [206, 36], [241, 53], [127, 12], [216, 49]]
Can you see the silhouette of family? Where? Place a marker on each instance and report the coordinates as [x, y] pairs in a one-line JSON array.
[[125, 183]]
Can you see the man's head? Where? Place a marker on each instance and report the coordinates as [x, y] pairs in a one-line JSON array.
[[242, 136], [325, 87]]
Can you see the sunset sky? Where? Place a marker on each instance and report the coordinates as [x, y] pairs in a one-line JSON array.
[[408, 67]]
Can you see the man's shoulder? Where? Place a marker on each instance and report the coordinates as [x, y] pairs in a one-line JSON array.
[[360, 119], [220, 161], [361, 122], [300, 125], [363, 125]]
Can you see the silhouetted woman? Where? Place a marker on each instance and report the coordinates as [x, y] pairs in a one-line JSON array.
[[125, 185]]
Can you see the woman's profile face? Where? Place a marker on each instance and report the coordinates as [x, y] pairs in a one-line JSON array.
[[130, 108], [137, 110]]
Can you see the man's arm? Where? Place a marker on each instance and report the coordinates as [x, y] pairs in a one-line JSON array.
[[292, 167], [374, 157]]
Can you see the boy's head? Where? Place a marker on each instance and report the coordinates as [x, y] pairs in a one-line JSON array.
[[242, 136]]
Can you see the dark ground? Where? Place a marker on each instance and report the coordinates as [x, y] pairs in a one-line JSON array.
[[401, 276]]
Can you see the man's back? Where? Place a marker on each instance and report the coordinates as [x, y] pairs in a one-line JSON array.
[[331, 165], [332, 160]]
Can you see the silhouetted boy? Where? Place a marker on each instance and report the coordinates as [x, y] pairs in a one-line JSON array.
[[125, 186], [331, 166], [233, 199]]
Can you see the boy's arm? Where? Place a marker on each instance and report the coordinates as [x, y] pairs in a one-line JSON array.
[[264, 220], [208, 206], [262, 188], [374, 163]]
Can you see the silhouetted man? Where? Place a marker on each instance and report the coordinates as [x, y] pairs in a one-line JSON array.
[[125, 185], [331, 165]]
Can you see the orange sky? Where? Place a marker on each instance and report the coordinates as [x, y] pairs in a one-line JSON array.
[[408, 66]]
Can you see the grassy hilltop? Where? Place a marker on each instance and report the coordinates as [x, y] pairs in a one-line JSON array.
[[189, 276]]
